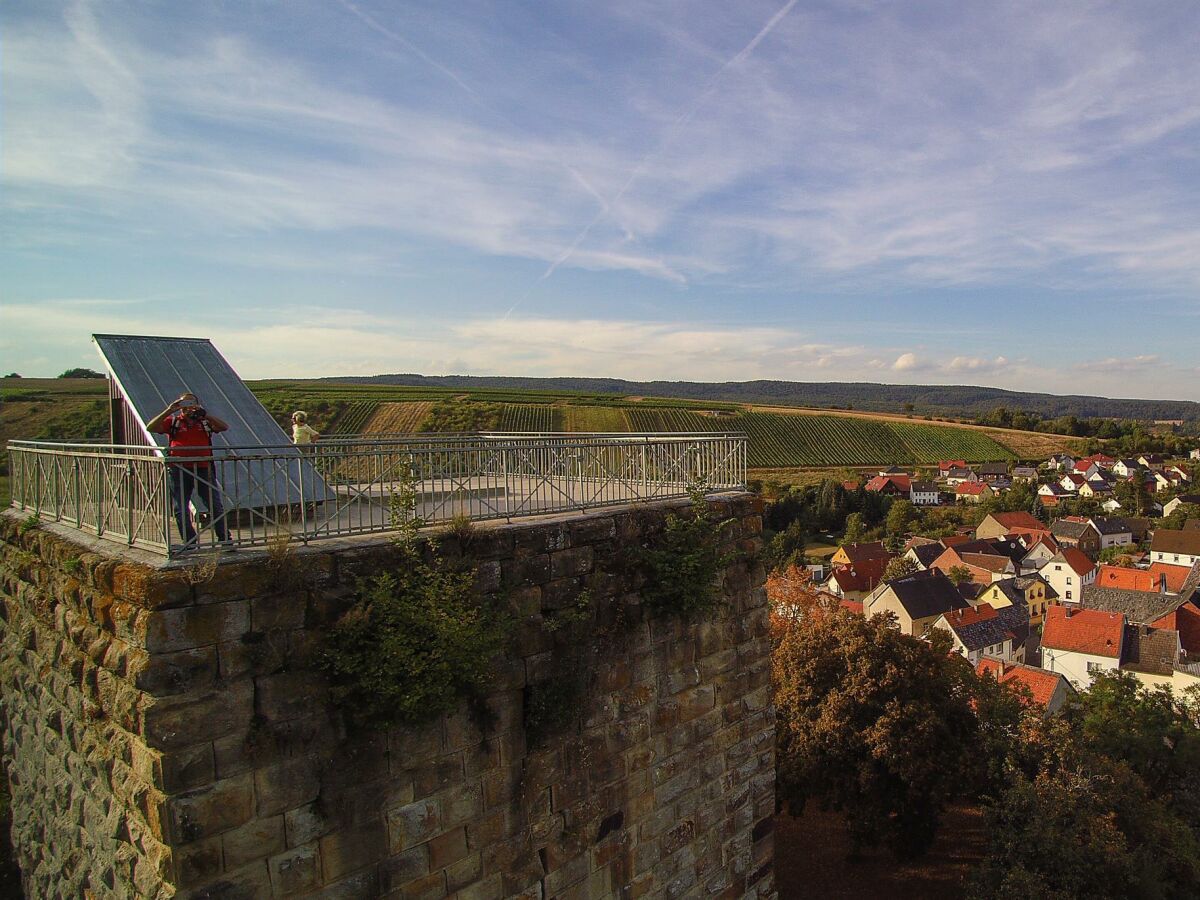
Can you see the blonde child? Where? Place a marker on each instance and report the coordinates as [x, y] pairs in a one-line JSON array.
[[301, 433]]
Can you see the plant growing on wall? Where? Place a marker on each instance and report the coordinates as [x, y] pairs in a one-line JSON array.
[[683, 566], [417, 639]]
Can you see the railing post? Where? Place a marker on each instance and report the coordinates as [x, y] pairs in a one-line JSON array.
[[303, 502], [129, 502], [100, 499], [78, 494]]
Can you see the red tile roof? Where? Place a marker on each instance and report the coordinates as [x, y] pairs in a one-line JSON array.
[[900, 483], [1017, 522], [1186, 620], [951, 540], [1084, 631], [1078, 560], [1127, 579], [947, 464], [855, 606], [971, 488], [1176, 575], [1041, 684], [867, 550], [863, 575]]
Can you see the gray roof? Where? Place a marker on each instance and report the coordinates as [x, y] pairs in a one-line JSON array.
[[1141, 607], [1113, 525], [1074, 530], [1151, 650], [927, 553], [927, 593], [150, 372]]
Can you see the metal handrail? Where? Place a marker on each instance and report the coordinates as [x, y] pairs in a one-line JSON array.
[[253, 495]]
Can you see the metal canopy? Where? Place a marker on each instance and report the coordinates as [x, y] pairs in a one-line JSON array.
[[150, 372]]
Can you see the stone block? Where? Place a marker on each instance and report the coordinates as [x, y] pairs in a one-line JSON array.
[[464, 872], [251, 882], [295, 871], [254, 840], [447, 848], [414, 824], [289, 695], [177, 673], [304, 824], [175, 722], [400, 869], [198, 862], [437, 775], [351, 849], [570, 563], [187, 768], [431, 887], [277, 612], [211, 810], [286, 784], [171, 630]]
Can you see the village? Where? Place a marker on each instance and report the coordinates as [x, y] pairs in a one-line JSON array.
[[1044, 601]]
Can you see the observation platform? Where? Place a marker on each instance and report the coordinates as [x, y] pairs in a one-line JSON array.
[[345, 486]]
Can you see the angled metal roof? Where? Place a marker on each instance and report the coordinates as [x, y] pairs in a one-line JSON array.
[[150, 372]]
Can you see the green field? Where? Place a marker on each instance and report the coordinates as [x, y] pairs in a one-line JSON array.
[[49, 408]]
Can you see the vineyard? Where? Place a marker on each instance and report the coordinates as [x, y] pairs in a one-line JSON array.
[[397, 418], [528, 417], [777, 438]]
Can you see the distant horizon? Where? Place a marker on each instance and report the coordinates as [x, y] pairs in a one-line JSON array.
[[833, 191]]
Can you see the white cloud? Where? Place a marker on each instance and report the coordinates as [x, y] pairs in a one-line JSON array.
[[907, 362]]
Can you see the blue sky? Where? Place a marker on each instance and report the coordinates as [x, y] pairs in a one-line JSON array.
[[984, 193]]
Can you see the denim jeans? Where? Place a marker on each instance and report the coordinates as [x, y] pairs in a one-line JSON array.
[[201, 480]]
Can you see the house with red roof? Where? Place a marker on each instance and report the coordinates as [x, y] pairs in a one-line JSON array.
[[890, 485], [855, 580], [1046, 690], [983, 631], [995, 525], [973, 491], [1126, 579], [945, 465], [1069, 571], [850, 554], [1080, 643]]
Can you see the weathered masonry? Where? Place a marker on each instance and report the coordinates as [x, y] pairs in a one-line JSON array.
[[167, 733]]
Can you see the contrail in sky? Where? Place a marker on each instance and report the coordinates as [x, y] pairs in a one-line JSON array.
[[374, 24], [679, 122]]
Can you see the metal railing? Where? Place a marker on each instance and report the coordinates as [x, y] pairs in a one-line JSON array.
[[251, 496]]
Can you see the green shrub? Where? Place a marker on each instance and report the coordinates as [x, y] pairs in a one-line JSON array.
[[418, 640], [683, 567]]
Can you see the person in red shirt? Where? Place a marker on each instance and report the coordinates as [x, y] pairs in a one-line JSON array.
[[189, 428]]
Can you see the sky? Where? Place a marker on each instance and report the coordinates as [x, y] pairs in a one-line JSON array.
[[1001, 193]]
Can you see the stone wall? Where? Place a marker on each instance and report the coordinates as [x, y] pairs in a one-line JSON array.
[[167, 734]]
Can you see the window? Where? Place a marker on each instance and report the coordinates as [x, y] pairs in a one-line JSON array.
[[1057, 568], [1095, 668], [1068, 595]]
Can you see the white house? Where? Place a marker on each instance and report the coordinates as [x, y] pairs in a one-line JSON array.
[[923, 493], [1114, 532], [1068, 571], [1171, 505], [1127, 467], [1039, 554], [1195, 454], [1080, 643], [1175, 548], [982, 631]]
